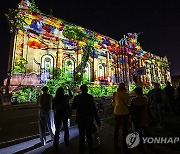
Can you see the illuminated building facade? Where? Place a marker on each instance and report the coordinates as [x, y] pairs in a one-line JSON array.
[[46, 43]]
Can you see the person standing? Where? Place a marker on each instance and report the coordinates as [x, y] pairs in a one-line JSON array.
[[177, 100], [157, 101], [121, 115], [85, 115], [139, 114], [169, 96], [44, 103], [1, 98], [62, 112]]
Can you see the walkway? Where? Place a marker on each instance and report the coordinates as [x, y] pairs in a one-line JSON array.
[[33, 146]]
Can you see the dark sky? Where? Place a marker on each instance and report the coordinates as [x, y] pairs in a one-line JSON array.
[[159, 21]]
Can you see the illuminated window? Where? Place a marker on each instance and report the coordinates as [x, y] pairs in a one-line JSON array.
[[100, 71], [87, 72], [69, 66], [47, 65], [47, 62]]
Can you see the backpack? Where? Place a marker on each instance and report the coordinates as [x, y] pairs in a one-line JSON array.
[[45, 102]]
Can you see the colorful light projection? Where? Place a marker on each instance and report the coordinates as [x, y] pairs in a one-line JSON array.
[[46, 32]]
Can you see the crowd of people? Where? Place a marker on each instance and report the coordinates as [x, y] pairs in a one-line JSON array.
[[166, 100], [135, 114], [142, 111]]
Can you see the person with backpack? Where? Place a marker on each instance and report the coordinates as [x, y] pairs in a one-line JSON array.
[[44, 103], [62, 111]]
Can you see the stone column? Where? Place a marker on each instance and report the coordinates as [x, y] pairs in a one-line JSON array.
[[107, 65], [79, 58], [59, 56], [95, 69], [20, 44]]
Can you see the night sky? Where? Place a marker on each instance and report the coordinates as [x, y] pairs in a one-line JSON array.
[[159, 21]]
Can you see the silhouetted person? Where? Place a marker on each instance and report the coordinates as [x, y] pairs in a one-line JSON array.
[[139, 114], [44, 103], [62, 109], [121, 115], [157, 102], [149, 96], [169, 96], [1, 99], [86, 113], [8, 82], [177, 101]]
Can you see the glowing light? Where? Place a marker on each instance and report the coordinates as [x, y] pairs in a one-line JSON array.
[[138, 47], [82, 44]]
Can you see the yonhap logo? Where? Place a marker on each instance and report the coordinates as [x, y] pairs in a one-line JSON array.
[[132, 140]]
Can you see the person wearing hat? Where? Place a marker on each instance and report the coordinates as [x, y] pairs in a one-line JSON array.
[[45, 103]]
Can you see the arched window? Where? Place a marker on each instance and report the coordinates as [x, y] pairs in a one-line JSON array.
[[69, 67], [100, 72], [47, 62], [47, 67], [87, 74]]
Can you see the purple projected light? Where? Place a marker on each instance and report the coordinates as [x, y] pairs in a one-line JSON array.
[[28, 144]]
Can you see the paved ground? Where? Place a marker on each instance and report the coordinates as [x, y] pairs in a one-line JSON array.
[[33, 146], [21, 123], [18, 123]]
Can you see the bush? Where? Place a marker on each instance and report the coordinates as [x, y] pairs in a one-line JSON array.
[[22, 95], [99, 91]]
